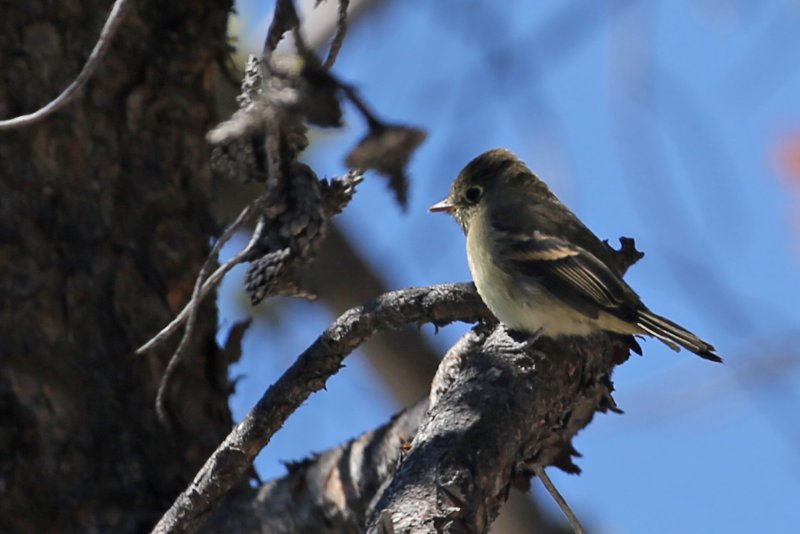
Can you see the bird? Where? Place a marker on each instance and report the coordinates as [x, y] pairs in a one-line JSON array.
[[538, 268]]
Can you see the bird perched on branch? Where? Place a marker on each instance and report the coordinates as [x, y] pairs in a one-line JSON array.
[[537, 267]]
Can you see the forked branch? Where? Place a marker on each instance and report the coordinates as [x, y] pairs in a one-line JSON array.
[[439, 305]]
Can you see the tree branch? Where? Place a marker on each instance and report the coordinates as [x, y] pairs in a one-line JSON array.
[[335, 491], [558, 396], [338, 38], [103, 42], [194, 304], [577, 528], [330, 492], [477, 414], [503, 410], [440, 305], [499, 410]]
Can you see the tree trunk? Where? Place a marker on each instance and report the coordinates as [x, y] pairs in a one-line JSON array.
[[104, 223]]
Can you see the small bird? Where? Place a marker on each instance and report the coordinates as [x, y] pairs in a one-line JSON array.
[[537, 267]]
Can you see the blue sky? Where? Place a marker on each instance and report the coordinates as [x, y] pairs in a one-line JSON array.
[[654, 120]]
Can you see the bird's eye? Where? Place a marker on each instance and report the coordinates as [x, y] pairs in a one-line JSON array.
[[473, 194]]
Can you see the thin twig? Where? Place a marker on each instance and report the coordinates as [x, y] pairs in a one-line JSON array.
[[372, 121], [212, 281], [284, 18], [100, 48], [194, 303], [177, 356], [338, 39], [562, 503]]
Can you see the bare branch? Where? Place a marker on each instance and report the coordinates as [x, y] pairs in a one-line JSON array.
[[338, 39], [436, 304], [499, 410], [337, 490], [329, 492], [332, 491], [571, 388], [284, 18], [577, 528], [204, 286], [194, 304], [335, 194], [106, 35]]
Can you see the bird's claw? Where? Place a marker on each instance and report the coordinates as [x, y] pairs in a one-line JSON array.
[[523, 341]]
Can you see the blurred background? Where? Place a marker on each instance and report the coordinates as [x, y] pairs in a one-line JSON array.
[[673, 122]]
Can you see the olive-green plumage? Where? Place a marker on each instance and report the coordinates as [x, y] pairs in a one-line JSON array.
[[538, 267]]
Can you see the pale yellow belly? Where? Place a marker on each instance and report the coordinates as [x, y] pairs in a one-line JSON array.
[[526, 305], [528, 308]]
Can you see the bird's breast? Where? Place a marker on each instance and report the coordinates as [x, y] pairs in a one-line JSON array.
[[520, 302]]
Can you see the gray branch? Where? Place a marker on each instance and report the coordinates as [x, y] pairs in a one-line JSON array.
[[335, 491], [440, 305], [330, 492], [73, 89], [498, 409]]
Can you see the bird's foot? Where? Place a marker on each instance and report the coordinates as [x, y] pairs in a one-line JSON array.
[[523, 341]]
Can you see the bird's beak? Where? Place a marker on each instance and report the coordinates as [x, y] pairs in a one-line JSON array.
[[445, 206]]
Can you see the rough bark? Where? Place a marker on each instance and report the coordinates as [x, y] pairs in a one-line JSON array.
[[337, 490], [225, 468], [330, 492], [103, 223], [558, 394], [498, 407], [502, 410]]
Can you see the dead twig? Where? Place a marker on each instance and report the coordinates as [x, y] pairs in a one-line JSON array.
[[201, 283], [338, 38], [106, 35], [577, 528], [203, 286]]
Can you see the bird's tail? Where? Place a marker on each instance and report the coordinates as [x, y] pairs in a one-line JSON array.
[[675, 336]]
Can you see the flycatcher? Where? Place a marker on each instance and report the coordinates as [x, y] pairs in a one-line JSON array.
[[537, 267]]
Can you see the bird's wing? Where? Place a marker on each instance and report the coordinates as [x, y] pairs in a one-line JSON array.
[[570, 272]]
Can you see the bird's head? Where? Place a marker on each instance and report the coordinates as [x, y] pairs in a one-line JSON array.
[[495, 178]]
